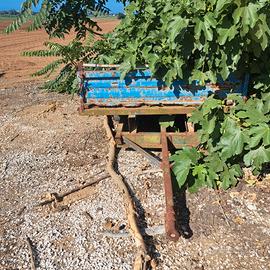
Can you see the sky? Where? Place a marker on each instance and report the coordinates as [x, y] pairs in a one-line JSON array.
[[15, 4]]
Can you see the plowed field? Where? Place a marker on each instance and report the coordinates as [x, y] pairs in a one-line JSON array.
[[16, 69]]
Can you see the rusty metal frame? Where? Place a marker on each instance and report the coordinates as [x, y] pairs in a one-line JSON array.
[[140, 140], [170, 226], [164, 137], [170, 220], [141, 110], [156, 140]]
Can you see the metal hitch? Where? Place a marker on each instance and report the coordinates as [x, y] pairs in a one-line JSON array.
[[170, 227]]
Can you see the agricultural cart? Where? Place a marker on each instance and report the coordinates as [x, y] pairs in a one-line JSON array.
[[138, 102]]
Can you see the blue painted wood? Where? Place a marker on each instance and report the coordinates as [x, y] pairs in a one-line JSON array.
[[107, 89]]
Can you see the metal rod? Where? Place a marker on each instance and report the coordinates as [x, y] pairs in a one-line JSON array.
[[100, 65], [141, 110], [152, 139], [110, 66], [171, 231], [136, 147]]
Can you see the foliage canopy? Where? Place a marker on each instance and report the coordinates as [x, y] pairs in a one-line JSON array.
[[59, 17], [194, 39]]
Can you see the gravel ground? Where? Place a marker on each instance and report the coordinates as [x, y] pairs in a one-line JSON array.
[[46, 147]]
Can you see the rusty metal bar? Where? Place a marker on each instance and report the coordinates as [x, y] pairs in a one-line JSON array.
[[110, 66], [170, 227], [142, 110], [101, 65], [152, 139], [154, 160]]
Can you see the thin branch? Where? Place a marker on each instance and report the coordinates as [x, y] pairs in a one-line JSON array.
[[222, 210], [29, 245]]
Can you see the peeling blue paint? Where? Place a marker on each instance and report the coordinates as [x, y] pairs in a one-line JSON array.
[[107, 89]]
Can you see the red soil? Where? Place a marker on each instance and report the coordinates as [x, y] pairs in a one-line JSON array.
[[16, 69]]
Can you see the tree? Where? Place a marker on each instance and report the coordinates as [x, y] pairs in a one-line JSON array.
[[58, 17], [120, 16], [189, 40], [194, 39], [9, 12]]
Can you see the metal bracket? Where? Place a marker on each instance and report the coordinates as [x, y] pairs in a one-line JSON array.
[[153, 159]]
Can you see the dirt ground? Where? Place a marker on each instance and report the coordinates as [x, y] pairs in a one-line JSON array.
[[47, 148], [16, 69]]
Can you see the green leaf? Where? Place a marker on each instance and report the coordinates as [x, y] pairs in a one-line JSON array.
[[213, 161], [132, 7], [229, 176], [150, 10], [256, 158], [252, 116], [170, 76], [224, 72], [199, 25], [249, 14], [225, 180], [221, 4], [166, 120], [195, 184], [153, 60], [259, 134], [50, 68], [232, 140], [177, 24], [226, 34], [265, 42], [191, 154], [210, 104], [211, 125], [25, 16], [200, 171], [211, 177], [183, 160], [181, 171], [198, 75], [266, 106], [208, 32], [178, 66], [210, 20], [125, 67], [196, 116], [237, 14]]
